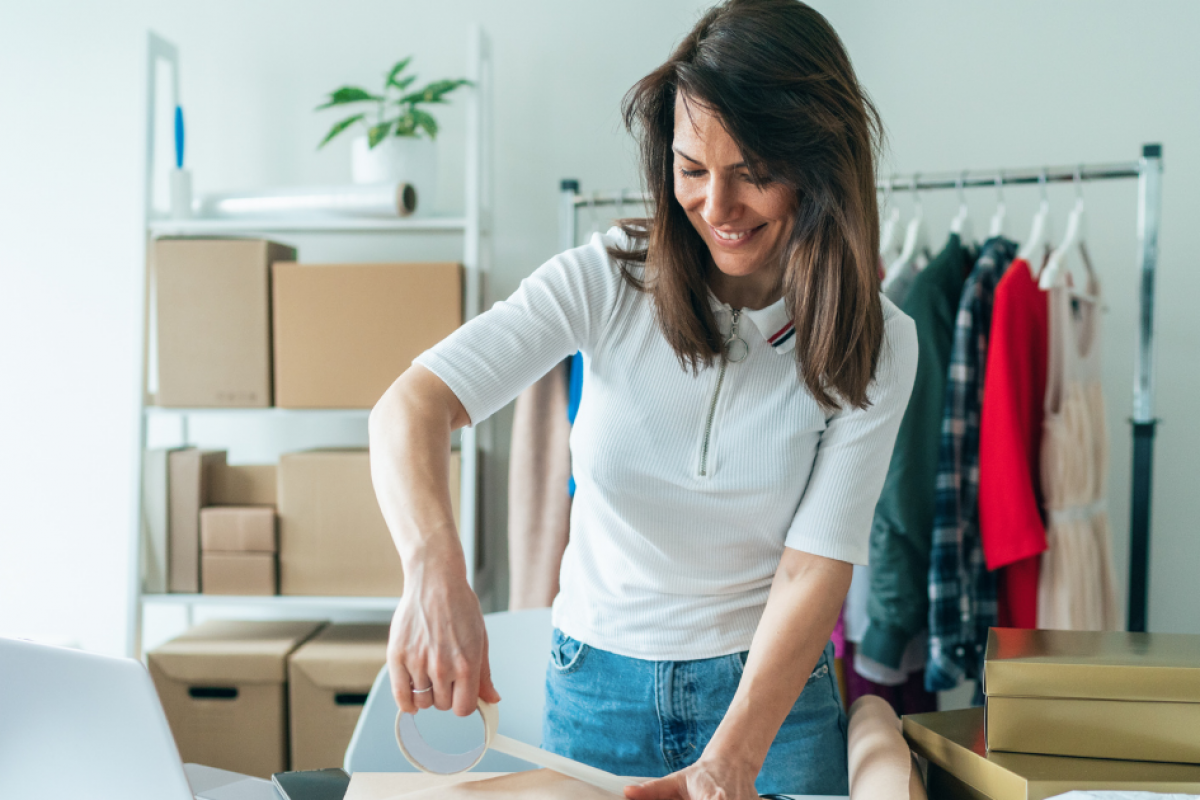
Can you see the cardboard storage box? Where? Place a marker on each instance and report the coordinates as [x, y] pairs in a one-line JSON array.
[[189, 481], [329, 678], [961, 768], [240, 573], [345, 332], [213, 319], [223, 685], [1094, 694], [238, 529], [332, 536], [243, 485]]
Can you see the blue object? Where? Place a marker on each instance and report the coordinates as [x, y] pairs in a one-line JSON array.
[[574, 393], [179, 137], [649, 718]]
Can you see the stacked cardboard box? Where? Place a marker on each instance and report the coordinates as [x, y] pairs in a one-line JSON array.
[[332, 536], [329, 679], [239, 546], [223, 685], [1070, 710]]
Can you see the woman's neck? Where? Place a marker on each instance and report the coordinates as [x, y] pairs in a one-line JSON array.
[[757, 290]]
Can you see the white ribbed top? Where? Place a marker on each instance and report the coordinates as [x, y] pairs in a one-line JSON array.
[[672, 548]]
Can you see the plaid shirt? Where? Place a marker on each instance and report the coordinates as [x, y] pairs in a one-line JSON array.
[[962, 592]]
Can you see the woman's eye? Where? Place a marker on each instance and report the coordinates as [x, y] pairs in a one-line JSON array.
[[691, 173]]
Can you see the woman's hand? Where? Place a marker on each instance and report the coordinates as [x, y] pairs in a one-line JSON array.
[[438, 640], [711, 778]]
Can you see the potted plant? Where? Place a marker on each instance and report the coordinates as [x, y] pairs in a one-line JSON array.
[[397, 144]]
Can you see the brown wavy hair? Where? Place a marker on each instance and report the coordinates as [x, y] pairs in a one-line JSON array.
[[779, 79]]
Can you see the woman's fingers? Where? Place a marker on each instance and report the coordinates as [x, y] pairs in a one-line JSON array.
[[486, 689], [401, 686], [423, 688], [672, 787]]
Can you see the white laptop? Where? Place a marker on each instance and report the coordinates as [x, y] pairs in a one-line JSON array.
[[78, 725]]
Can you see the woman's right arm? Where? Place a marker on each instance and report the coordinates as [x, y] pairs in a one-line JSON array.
[[437, 636]]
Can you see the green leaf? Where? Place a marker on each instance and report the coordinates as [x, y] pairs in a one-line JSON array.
[[396, 70], [434, 92], [349, 94], [338, 128], [378, 133], [403, 83], [425, 121], [406, 124]]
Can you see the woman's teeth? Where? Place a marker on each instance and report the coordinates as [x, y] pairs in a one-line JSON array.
[[732, 237]]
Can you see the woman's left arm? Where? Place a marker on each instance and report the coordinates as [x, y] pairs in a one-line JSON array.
[[801, 611]]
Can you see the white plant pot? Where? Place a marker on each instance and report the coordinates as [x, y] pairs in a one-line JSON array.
[[398, 158]]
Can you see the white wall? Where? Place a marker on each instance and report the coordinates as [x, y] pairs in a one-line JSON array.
[[960, 84]]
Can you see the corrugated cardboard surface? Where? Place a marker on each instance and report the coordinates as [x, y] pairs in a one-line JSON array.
[[214, 320], [238, 529], [246, 732], [954, 742], [382, 785], [189, 476], [240, 573], [332, 537], [244, 485], [328, 680], [1094, 694], [344, 332]]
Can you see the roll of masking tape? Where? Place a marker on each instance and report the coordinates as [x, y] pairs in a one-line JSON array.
[[429, 759]]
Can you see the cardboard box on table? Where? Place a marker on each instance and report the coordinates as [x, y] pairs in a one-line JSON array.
[[212, 298], [1094, 694], [344, 332], [329, 678], [223, 685], [962, 768], [332, 536], [244, 485]]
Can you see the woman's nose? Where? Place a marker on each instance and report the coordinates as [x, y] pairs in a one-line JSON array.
[[720, 204]]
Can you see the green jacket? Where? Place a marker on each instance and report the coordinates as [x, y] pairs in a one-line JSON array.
[[898, 607]]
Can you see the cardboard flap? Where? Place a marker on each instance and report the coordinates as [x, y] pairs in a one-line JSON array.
[[228, 651], [343, 657], [1093, 665]]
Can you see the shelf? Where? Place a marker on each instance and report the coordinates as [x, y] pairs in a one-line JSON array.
[[161, 227], [277, 601], [259, 413]]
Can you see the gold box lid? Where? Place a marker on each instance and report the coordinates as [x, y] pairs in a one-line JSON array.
[[1094, 665], [954, 741]]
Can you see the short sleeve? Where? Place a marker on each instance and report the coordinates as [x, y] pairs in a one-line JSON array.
[[835, 514], [563, 307]]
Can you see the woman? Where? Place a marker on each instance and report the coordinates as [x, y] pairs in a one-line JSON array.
[[744, 383]]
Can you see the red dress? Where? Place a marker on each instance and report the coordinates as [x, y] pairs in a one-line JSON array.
[[1010, 443]]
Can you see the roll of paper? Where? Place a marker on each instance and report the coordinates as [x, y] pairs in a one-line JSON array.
[[427, 758], [881, 764], [379, 200]]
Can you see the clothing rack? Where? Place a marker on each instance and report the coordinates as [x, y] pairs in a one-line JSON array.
[[1148, 172]]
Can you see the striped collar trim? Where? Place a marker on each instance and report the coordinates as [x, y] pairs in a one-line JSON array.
[[782, 336]]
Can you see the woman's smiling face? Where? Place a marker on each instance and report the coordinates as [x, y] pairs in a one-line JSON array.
[[744, 225]]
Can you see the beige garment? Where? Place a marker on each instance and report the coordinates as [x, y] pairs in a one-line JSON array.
[[1076, 586], [540, 784], [881, 765], [539, 508]]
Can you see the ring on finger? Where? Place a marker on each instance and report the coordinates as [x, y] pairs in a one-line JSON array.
[[428, 688]]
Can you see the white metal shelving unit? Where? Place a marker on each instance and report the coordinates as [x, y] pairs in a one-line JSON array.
[[474, 229]]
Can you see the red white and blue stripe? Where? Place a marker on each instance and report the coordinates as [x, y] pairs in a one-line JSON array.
[[782, 335]]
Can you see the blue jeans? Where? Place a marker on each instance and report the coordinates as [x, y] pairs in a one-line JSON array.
[[651, 718]]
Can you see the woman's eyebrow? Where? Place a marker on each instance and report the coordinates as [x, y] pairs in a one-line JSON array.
[[739, 165]]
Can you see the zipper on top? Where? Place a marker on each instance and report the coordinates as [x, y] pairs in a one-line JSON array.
[[734, 351]]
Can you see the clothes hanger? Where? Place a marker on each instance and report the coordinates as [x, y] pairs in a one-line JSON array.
[[996, 227], [1039, 233], [1056, 273], [915, 238], [891, 222], [961, 224]]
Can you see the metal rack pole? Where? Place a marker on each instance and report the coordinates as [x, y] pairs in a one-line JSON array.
[[1144, 423]]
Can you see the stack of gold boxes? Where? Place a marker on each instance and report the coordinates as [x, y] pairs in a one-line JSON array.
[[1070, 710]]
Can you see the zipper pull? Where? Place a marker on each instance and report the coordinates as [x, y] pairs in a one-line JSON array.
[[736, 348]]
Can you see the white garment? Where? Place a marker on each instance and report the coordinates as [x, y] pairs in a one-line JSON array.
[[688, 486], [1082, 795]]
